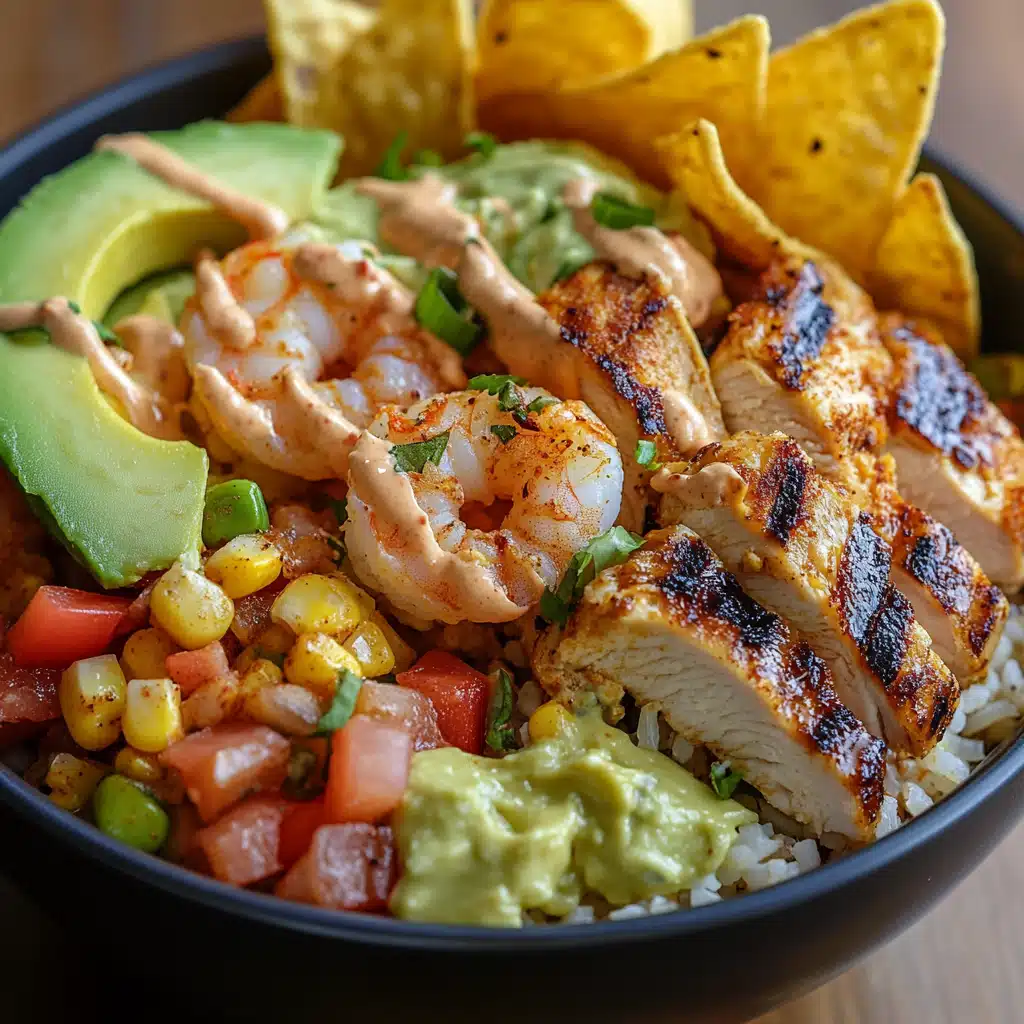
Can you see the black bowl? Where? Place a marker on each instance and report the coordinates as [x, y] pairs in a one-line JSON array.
[[246, 954]]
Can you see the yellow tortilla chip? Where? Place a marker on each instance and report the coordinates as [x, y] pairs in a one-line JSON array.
[[925, 267], [262, 103], [720, 76], [537, 45], [741, 230], [411, 71], [308, 39], [848, 109]]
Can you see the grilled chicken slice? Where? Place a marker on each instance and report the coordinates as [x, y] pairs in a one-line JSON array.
[[958, 457], [801, 547], [962, 610], [626, 349], [672, 625], [804, 357]]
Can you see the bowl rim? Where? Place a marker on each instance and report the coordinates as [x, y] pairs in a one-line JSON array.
[[999, 768]]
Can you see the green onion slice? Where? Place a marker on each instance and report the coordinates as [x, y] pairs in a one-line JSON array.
[[612, 212], [441, 309], [500, 734], [343, 703]]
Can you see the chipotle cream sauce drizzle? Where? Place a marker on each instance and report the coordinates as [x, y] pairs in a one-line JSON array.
[[710, 487], [76, 333], [158, 355], [227, 319], [374, 480], [635, 251], [684, 422], [260, 219]]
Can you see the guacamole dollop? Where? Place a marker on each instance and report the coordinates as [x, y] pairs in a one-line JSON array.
[[482, 840], [516, 194]]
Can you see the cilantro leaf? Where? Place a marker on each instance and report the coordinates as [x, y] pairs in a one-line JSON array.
[[343, 703], [509, 398], [106, 334], [501, 735], [541, 402], [492, 383], [645, 452], [428, 158], [612, 547], [74, 307], [612, 211], [390, 166], [503, 432], [411, 458], [724, 780]]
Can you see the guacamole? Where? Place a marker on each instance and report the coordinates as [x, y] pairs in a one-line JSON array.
[[482, 840], [515, 192]]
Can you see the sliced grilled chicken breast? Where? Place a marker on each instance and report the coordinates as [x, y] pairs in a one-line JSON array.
[[673, 625], [800, 546], [962, 610], [804, 357], [959, 458], [624, 347]]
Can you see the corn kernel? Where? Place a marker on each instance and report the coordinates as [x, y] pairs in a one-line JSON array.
[[290, 709], [346, 586], [405, 656], [191, 608], [275, 639], [134, 764], [319, 604], [210, 704], [92, 701], [72, 781], [549, 721], [259, 674], [152, 715], [245, 564], [145, 654], [315, 661], [371, 649]]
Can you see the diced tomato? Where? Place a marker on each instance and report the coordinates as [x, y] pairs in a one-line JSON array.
[[27, 694], [19, 732], [61, 625], [243, 846], [368, 771], [347, 867], [220, 765], [403, 707], [191, 669], [460, 696], [301, 820]]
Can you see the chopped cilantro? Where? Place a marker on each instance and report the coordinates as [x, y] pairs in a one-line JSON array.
[[645, 452], [541, 402], [503, 432], [390, 166], [411, 458], [343, 703], [501, 735], [613, 212], [492, 383], [724, 780], [483, 143]]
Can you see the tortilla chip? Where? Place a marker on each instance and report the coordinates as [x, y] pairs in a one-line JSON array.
[[262, 103], [741, 230], [719, 76], [924, 266], [538, 45], [411, 71], [848, 109], [308, 39]]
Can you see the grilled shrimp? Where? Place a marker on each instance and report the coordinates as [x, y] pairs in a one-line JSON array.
[[295, 345], [552, 476]]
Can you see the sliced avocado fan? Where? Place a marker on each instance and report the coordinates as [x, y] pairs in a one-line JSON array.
[[124, 503]]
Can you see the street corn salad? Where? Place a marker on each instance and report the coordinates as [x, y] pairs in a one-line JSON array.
[[487, 483]]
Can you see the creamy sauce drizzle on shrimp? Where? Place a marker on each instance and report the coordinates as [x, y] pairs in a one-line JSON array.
[[76, 333]]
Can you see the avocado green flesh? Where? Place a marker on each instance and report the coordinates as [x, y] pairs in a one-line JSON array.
[[123, 502], [482, 839], [540, 239], [162, 296]]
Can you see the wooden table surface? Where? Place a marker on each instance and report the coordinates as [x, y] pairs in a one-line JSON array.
[[964, 962]]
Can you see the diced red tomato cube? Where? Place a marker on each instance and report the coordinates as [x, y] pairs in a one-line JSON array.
[[220, 765], [243, 846], [61, 625], [191, 669], [460, 696], [406, 708], [27, 694], [368, 771], [301, 820], [347, 867]]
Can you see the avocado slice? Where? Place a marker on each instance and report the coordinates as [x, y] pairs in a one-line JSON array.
[[124, 503], [160, 295]]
